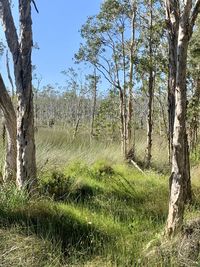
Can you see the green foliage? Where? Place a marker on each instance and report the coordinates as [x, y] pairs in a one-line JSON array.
[[93, 210], [195, 155], [106, 120], [11, 198], [102, 169], [109, 215], [110, 212], [56, 185]]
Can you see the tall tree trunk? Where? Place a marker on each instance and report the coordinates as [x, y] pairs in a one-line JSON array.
[[9, 172], [21, 51], [121, 100], [130, 97], [172, 85], [150, 93], [162, 114], [125, 110], [194, 123], [180, 177], [26, 163], [149, 120], [94, 103]]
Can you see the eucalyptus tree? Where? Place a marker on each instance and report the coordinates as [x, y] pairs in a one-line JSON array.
[[151, 61], [110, 45], [9, 171], [107, 120], [21, 47], [77, 84], [181, 17]]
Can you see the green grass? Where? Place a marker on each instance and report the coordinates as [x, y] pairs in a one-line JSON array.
[[18, 249], [56, 148], [108, 216], [93, 209]]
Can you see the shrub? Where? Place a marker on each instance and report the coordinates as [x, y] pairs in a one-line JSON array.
[[56, 185], [102, 169], [62, 187]]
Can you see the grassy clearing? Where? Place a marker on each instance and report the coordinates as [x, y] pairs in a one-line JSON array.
[[55, 148], [110, 212], [93, 210]]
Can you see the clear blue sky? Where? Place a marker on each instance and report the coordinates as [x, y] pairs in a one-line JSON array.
[[56, 30]]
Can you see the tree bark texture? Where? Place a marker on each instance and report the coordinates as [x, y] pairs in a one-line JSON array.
[[130, 89], [172, 21], [150, 92], [9, 171], [180, 184], [194, 123], [21, 49]]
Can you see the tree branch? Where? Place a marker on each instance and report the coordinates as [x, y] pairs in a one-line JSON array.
[[194, 14], [9, 29], [8, 72], [35, 6]]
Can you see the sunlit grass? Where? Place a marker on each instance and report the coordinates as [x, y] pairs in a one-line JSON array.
[[93, 209], [110, 212], [56, 148]]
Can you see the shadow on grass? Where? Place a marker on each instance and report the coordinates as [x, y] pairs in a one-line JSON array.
[[63, 228], [125, 210]]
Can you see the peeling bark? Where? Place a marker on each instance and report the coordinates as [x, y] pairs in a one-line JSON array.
[[180, 184], [21, 49], [173, 24], [9, 171]]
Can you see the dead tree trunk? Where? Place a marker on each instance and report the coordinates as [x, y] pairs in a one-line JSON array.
[[21, 50], [9, 172]]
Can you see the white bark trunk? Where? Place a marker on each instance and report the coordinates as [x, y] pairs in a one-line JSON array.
[[21, 52], [9, 172], [180, 177]]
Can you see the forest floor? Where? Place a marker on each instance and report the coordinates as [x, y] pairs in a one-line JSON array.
[[93, 209]]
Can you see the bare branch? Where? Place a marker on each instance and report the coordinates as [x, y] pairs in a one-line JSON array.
[[35, 6], [194, 14], [8, 72], [9, 29]]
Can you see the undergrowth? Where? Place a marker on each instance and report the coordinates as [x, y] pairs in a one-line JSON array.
[[92, 209], [103, 212]]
